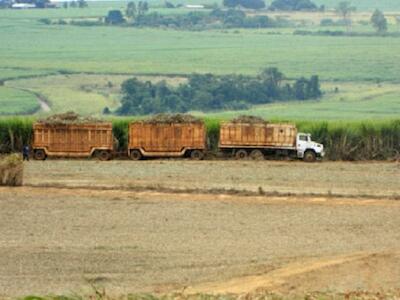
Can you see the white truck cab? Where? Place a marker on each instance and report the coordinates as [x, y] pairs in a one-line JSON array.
[[307, 149]]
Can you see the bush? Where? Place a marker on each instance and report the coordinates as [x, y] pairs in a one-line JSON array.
[[11, 170], [62, 22], [106, 111], [86, 23], [45, 21], [114, 17], [327, 22]]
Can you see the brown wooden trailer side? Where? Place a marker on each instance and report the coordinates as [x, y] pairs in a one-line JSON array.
[[245, 135], [166, 140], [73, 140]]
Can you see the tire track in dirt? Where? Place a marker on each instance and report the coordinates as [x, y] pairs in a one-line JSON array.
[[182, 195], [277, 278]]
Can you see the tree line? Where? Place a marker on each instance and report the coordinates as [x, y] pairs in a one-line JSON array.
[[217, 18], [208, 92]]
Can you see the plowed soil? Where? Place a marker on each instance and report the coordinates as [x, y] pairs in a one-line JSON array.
[[82, 223]]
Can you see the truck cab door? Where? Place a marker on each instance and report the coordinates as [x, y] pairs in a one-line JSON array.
[[301, 144]]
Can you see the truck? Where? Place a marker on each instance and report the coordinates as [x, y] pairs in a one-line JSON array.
[[256, 140], [166, 139], [72, 140]]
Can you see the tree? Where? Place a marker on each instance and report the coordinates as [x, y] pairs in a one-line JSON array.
[[231, 3], [65, 4], [344, 10], [252, 4], [131, 10], [205, 92], [114, 17], [379, 21], [82, 4], [41, 3], [273, 75], [314, 87], [142, 8], [300, 89], [6, 3], [169, 4], [73, 4], [293, 5]]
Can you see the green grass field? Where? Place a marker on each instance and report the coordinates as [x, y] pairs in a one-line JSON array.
[[353, 102], [14, 102], [365, 5], [128, 50], [89, 94], [30, 50]]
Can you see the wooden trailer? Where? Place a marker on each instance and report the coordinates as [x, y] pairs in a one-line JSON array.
[[166, 140], [245, 139], [73, 140]]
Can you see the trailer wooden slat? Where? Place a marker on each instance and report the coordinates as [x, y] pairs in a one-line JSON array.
[[166, 139], [73, 140], [236, 135]]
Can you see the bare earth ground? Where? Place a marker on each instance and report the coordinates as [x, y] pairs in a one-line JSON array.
[[62, 238], [337, 178]]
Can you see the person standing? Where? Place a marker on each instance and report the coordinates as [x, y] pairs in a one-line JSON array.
[[25, 153]]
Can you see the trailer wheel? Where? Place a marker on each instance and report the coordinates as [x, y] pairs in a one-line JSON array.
[[197, 155], [256, 155], [309, 156], [136, 155], [39, 154], [241, 154], [103, 155]]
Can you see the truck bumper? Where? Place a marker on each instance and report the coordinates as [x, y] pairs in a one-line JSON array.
[[321, 154]]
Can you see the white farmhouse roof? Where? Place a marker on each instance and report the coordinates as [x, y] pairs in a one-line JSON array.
[[194, 6], [23, 5]]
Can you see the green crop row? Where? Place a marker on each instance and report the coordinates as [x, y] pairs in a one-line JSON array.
[[355, 140]]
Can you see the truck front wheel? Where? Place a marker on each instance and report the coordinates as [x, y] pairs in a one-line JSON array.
[[136, 155], [39, 154], [309, 156]]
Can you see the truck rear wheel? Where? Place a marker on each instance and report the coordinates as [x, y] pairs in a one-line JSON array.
[[136, 155], [309, 156], [256, 155], [39, 154], [103, 155], [197, 155], [241, 154]]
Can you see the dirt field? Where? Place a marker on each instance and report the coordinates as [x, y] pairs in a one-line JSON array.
[[62, 238], [333, 178]]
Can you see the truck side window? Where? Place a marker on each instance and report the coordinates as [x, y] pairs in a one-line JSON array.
[[303, 138]]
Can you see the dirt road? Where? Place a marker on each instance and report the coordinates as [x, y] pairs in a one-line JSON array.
[[61, 240]]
